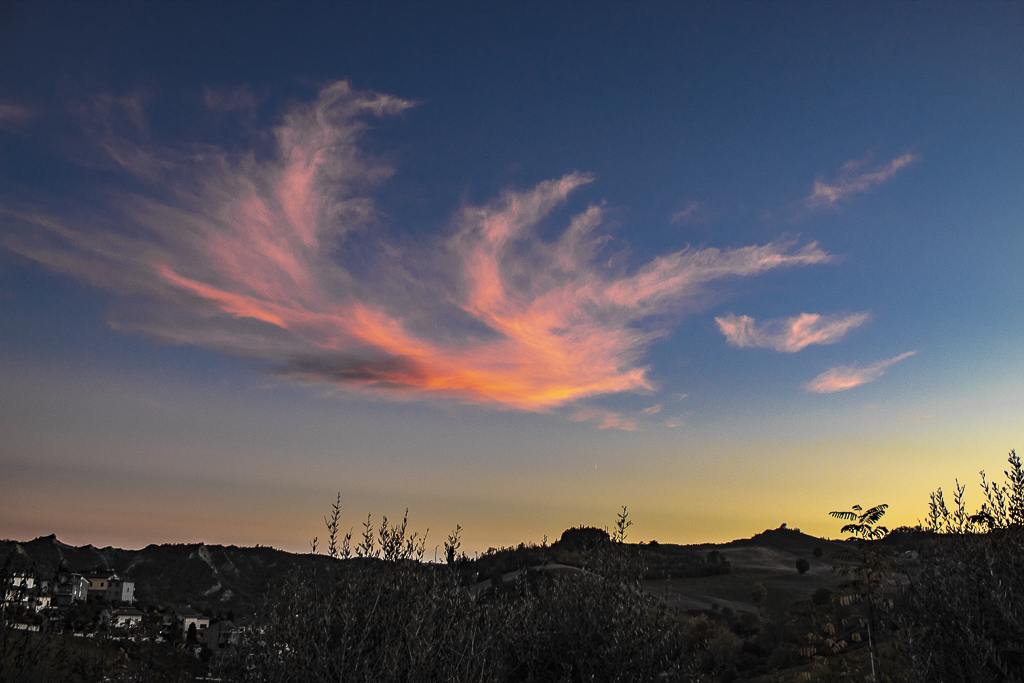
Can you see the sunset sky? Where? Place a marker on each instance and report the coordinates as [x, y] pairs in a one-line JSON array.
[[508, 265]]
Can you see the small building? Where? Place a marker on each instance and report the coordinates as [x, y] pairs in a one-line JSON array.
[[121, 590], [186, 617], [69, 588], [19, 586], [17, 589], [23, 588], [221, 634], [125, 617], [23, 580], [98, 582], [109, 587]]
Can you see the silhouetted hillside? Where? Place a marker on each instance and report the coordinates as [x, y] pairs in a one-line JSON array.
[[220, 578], [785, 539]]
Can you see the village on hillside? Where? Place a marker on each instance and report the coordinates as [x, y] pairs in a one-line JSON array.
[[101, 605], [759, 609]]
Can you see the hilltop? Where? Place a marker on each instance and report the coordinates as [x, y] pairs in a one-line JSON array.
[[769, 558]]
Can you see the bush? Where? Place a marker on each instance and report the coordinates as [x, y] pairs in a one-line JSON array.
[[584, 538], [962, 619], [398, 619]]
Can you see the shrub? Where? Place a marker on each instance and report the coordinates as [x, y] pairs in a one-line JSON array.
[[584, 538], [397, 619], [962, 618], [759, 594]]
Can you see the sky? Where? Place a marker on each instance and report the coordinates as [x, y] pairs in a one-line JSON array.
[[509, 266]]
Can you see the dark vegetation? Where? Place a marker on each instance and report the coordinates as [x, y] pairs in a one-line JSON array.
[[943, 602], [212, 578]]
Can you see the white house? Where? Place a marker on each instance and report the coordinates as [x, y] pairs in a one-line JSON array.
[[125, 617], [69, 588], [111, 587], [186, 617]]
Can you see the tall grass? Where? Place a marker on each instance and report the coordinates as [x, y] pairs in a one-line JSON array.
[[385, 616], [962, 616]]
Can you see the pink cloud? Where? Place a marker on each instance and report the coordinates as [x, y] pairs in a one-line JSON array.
[[849, 183], [849, 376], [609, 419], [789, 334], [249, 257]]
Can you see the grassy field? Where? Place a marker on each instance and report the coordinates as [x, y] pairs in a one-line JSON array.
[[769, 559]]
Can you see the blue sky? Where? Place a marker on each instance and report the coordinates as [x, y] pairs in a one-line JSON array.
[[510, 265]]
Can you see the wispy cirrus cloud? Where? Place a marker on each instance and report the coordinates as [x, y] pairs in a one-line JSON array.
[[608, 419], [693, 212], [849, 182], [788, 334], [267, 258], [14, 117], [849, 376]]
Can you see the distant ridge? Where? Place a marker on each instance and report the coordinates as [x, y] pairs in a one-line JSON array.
[[215, 577]]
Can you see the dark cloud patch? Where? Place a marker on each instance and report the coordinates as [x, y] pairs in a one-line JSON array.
[[369, 368]]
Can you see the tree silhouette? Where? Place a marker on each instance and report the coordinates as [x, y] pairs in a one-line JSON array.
[[871, 570]]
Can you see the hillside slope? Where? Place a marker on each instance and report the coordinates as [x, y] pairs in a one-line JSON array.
[[768, 558], [218, 579], [211, 577]]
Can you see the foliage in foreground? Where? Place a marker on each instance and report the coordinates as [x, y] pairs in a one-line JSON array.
[[962, 616], [955, 615], [370, 619]]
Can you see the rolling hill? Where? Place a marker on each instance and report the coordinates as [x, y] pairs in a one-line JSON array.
[[218, 579]]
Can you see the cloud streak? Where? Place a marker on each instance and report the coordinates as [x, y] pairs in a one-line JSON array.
[[264, 258], [788, 334], [849, 376], [849, 182], [14, 117], [608, 419], [694, 212]]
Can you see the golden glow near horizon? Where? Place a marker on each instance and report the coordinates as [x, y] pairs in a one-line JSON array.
[[679, 488]]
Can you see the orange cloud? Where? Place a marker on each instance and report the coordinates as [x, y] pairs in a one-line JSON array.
[[789, 334], [249, 257], [849, 376]]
